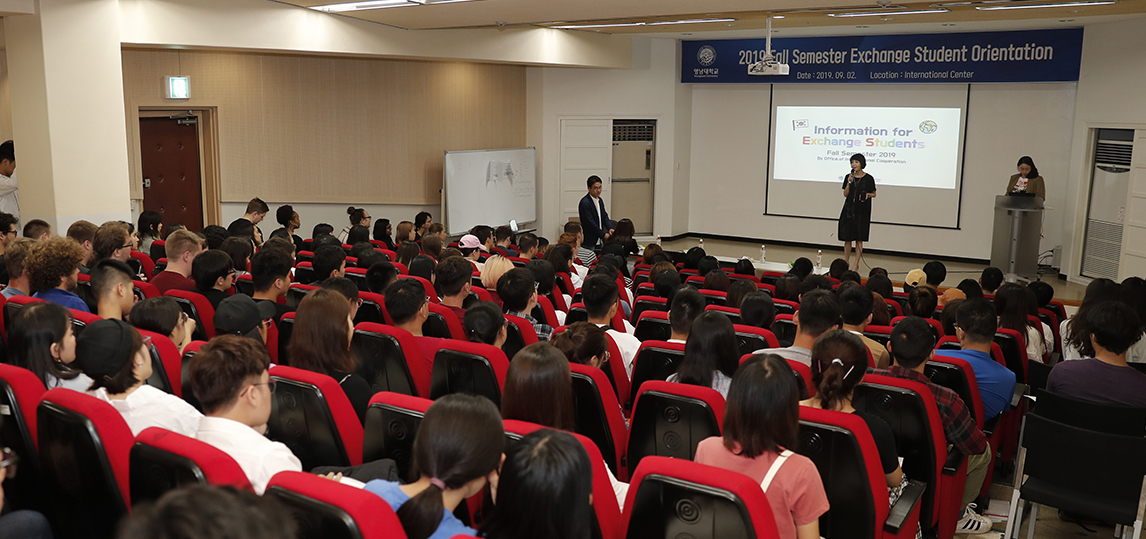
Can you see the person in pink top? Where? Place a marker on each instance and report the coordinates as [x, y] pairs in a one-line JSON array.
[[760, 423]]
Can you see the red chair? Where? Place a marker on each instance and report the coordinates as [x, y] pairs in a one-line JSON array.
[[599, 415], [81, 320], [559, 300], [847, 458], [313, 417], [752, 338], [391, 422], [393, 256], [466, 367], [784, 327], [145, 261], [605, 509], [84, 447], [13, 305], [957, 375], [162, 460], [616, 372], [653, 326], [402, 269], [647, 303], [372, 309], [444, 323], [189, 352], [714, 297], [334, 510], [296, 292], [196, 306], [733, 313], [895, 307], [389, 359], [20, 392], [698, 413], [145, 290], [784, 306], [880, 334], [1014, 347], [655, 361], [167, 363], [304, 273], [158, 249], [520, 333], [160, 266], [481, 293], [546, 309], [678, 498], [430, 292]]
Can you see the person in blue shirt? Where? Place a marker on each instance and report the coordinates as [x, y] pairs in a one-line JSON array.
[[457, 450], [53, 269], [975, 326]]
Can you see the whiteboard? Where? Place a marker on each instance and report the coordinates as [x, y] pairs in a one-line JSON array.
[[489, 187]]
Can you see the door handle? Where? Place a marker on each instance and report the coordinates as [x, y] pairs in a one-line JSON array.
[[146, 183]]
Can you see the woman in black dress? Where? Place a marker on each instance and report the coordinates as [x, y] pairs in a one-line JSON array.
[[855, 218]]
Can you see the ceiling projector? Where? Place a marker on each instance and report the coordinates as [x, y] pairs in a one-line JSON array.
[[767, 66]]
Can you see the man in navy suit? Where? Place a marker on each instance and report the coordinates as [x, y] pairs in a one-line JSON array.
[[594, 219]]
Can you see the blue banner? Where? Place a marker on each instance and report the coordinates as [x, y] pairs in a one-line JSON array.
[[1021, 56]]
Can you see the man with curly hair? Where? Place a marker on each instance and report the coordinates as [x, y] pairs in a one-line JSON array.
[[53, 267]]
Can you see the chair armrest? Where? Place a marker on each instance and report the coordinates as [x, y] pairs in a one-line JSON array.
[[908, 501], [1017, 396], [990, 425], [954, 461]]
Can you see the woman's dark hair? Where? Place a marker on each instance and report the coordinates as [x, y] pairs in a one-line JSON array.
[[560, 255], [544, 274], [581, 341], [149, 224], [802, 267], [172, 228], [320, 229], [970, 288], [432, 246], [406, 252], [859, 157], [421, 218], [877, 271], [624, 227], [839, 361], [881, 285], [788, 287], [380, 234], [32, 332], [1026, 160], [736, 291], [240, 250], [161, 315], [763, 410], [758, 309], [544, 489], [460, 439], [707, 265], [692, 258], [125, 378], [744, 267], [1014, 302], [922, 302], [852, 276], [651, 250], [215, 236], [320, 341], [717, 280], [483, 322], [358, 234], [1133, 293], [356, 215], [1113, 324], [837, 268], [1099, 291], [539, 387], [1044, 292], [423, 266], [880, 313], [948, 315], [711, 347], [284, 215]]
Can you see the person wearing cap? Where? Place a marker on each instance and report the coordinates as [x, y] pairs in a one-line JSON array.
[[112, 288], [53, 269], [117, 359], [471, 247], [408, 306], [240, 315], [914, 278]]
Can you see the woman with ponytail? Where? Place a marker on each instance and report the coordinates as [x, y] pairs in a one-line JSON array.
[[457, 450], [839, 361]]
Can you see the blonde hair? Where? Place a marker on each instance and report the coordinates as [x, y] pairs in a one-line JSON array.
[[495, 267]]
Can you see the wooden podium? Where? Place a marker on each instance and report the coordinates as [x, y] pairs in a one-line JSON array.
[[1018, 230]]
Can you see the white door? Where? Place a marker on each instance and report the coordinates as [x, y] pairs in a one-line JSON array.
[[586, 150]]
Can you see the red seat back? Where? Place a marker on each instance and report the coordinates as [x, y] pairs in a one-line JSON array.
[[699, 412], [456, 331], [145, 290], [467, 367], [430, 292], [520, 335], [162, 460], [145, 261], [314, 418], [599, 415], [390, 360], [333, 507], [548, 310], [391, 422], [197, 307], [169, 369]]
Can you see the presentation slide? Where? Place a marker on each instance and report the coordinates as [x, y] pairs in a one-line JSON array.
[[908, 146]]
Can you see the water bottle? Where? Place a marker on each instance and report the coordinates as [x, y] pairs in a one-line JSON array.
[[702, 243], [763, 253], [659, 241], [819, 258]]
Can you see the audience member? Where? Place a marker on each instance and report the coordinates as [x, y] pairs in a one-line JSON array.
[[242, 316], [707, 265], [368, 255], [423, 266], [881, 285], [802, 267], [484, 323], [711, 354], [1015, 303], [744, 266], [214, 236], [912, 344], [322, 240], [584, 343], [692, 258], [856, 305], [877, 271], [546, 279], [202, 511], [432, 246], [914, 278], [380, 275], [851, 276], [599, 295], [990, 280], [320, 342], [241, 228], [117, 359], [949, 295], [471, 250], [323, 229], [518, 292], [737, 290], [348, 290], [757, 309], [382, 233], [839, 361], [457, 451], [270, 278], [163, 315], [685, 306], [561, 256], [815, 282], [83, 232], [665, 282], [503, 238], [1104, 335], [214, 273], [717, 280], [948, 316], [173, 227], [437, 229], [922, 302], [8, 234], [41, 339], [527, 246], [329, 261], [405, 232], [53, 270], [112, 240], [408, 306], [788, 287], [290, 223], [406, 252], [651, 251], [975, 327], [819, 313], [257, 210], [422, 223], [837, 268], [935, 273], [113, 290], [15, 254], [358, 217], [587, 256], [623, 235], [761, 423], [240, 251], [880, 311], [452, 281], [970, 288], [495, 267], [38, 230], [182, 247], [150, 229], [1044, 292]]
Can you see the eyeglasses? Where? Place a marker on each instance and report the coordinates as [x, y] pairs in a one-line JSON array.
[[271, 384], [12, 232], [126, 246]]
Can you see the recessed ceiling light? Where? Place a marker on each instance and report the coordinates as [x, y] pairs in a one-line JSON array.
[[687, 34], [862, 26], [887, 13], [948, 24], [1047, 5], [1066, 20], [564, 26], [777, 16], [886, 19]]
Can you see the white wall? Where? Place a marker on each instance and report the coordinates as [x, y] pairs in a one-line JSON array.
[[647, 91], [1110, 87], [333, 214]]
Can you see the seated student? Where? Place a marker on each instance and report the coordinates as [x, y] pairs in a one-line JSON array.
[[423, 266], [1044, 292], [201, 511], [214, 274], [599, 295], [819, 313], [452, 281], [580, 252], [736, 292], [583, 343], [320, 342], [1015, 303], [990, 280], [936, 273], [503, 237], [914, 278], [664, 282], [214, 236], [409, 308], [922, 302], [83, 232], [717, 280], [358, 234], [349, 292], [383, 232], [437, 229], [527, 246], [484, 323], [912, 344], [880, 312], [240, 250], [856, 311], [788, 287], [650, 252], [815, 282], [457, 451], [685, 305], [852, 276], [229, 377], [257, 210], [162, 315], [539, 389], [53, 271], [692, 258], [432, 246], [744, 266], [546, 279], [970, 288], [15, 253], [42, 340], [760, 423], [270, 276], [116, 358], [1104, 334], [329, 261], [877, 271], [607, 265], [288, 218], [406, 252], [518, 292], [242, 229], [495, 267], [757, 309], [381, 275], [182, 247], [975, 326], [837, 268], [471, 250], [370, 256], [661, 266], [802, 268], [711, 355], [38, 230], [707, 265], [544, 489], [949, 295], [422, 223], [242, 316], [578, 268], [839, 361], [112, 288], [881, 285], [948, 319], [323, 240]]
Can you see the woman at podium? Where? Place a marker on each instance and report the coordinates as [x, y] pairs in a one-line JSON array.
[[1027, 181], [855, 217]]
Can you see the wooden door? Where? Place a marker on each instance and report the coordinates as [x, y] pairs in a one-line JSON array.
[[172, 182]]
